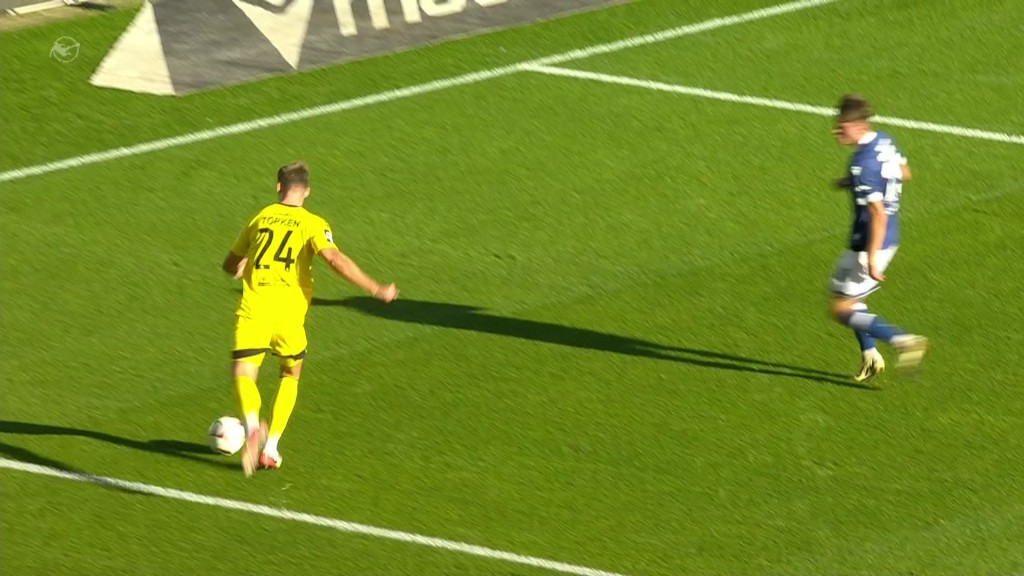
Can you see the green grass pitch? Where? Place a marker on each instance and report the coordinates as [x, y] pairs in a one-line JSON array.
[[612, 348]]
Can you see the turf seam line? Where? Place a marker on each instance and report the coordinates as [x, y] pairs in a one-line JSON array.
[[961, 131], [313, 519], [406, 92]]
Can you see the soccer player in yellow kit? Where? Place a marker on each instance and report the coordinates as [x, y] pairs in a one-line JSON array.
[[274, 258]]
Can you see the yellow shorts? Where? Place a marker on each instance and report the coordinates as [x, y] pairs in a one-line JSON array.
[[254, 337]]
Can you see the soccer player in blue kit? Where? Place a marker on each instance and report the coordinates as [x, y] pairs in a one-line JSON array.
[[875, 180]]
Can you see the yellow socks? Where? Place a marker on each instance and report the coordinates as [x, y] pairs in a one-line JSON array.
[[247, 396], [284, 403]]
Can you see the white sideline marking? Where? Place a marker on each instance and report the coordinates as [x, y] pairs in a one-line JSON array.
[[672, 33], [961, 131], [399, 93], [322, 521], [39, 7]]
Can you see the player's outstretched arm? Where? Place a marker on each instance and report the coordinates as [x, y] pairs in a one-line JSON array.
[[348, 270], [876, 210], [233, 264]]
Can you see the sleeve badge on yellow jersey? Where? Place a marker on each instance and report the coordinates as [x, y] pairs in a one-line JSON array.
[[327, 234]]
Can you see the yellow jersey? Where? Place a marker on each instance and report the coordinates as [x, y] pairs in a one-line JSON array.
[[279, 244]]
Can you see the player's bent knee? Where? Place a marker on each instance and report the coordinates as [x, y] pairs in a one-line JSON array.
[[292, 371], [291, 366], [248, 367], [841, 307]]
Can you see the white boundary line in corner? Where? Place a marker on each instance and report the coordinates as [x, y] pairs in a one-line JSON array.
[[406, 92], [960, 131], [313, 519]]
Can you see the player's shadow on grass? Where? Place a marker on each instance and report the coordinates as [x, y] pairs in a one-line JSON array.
[[175, 448], [472, 318]]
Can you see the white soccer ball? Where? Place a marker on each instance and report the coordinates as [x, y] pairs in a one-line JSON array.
[[226, 435]]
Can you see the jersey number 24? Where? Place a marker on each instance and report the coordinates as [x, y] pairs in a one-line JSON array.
[[267, 235]]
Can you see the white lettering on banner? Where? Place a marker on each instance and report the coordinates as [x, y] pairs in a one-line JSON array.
[[378, 13], [442, 7], [347, 19], [412, 12]]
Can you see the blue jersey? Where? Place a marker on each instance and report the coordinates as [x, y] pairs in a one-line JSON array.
[[876, 175]]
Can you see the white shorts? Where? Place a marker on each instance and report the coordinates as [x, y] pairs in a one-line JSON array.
[[851, 278]]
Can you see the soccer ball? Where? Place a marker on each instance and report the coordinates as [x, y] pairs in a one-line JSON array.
[[226, 435]]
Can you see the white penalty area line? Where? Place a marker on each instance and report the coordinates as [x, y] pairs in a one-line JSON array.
[[322, 521], [960, 131], [400, 93]]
